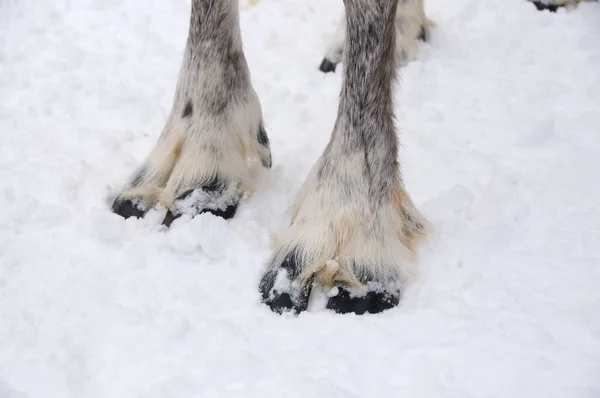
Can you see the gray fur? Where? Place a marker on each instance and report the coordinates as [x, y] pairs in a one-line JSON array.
[[411, 27], [365, 122], [215, 46]]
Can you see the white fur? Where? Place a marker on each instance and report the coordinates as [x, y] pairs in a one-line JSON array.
[[323, 225], [191, 151]]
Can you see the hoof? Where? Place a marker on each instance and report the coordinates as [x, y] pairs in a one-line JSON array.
[[282, 290], [279, 290], [126, 209], [327, 66], [541, 6], [371, 302], [215, 198]]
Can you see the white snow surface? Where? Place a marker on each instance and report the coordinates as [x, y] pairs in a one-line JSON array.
[[499, 120]]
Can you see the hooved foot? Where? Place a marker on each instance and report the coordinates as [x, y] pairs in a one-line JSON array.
[[196, 174], [285, 290], [327, 66], [281, 290], [216, 198], [543, 6], [201, 162], [127, 208], [364, 254]]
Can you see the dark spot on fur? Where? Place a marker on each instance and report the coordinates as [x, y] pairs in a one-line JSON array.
[[138, 179], [213, 186], [424, 34], [263, 139], [188, 110]]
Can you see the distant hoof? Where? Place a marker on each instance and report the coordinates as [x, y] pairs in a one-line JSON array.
[[541, 6], [126, 209], [216, 198], [371, 302], [327, 66]]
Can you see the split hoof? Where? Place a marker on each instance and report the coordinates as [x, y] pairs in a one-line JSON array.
[[282, 290]]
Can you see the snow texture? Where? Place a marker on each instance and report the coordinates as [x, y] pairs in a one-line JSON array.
[[499, 120]]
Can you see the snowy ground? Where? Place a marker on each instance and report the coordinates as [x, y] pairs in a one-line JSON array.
[[499, 122]]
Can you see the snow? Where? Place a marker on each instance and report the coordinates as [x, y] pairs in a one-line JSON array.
[[499, 122]]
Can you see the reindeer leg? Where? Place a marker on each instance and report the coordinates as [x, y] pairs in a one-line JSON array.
[[352, 227], [199, 163]]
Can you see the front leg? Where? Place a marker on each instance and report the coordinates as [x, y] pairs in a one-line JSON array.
[[352, 227], [199, 163]]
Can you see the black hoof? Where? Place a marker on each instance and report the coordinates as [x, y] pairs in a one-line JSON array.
[[541, 6], [215, 198], [281, 292], [327, 66], [126, 208], [371, 302]]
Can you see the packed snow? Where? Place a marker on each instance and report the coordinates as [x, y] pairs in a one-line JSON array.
[[499, 120]]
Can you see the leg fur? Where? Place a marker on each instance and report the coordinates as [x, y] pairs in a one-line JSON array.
[[411, 25], [199, 163], [352, 226]]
